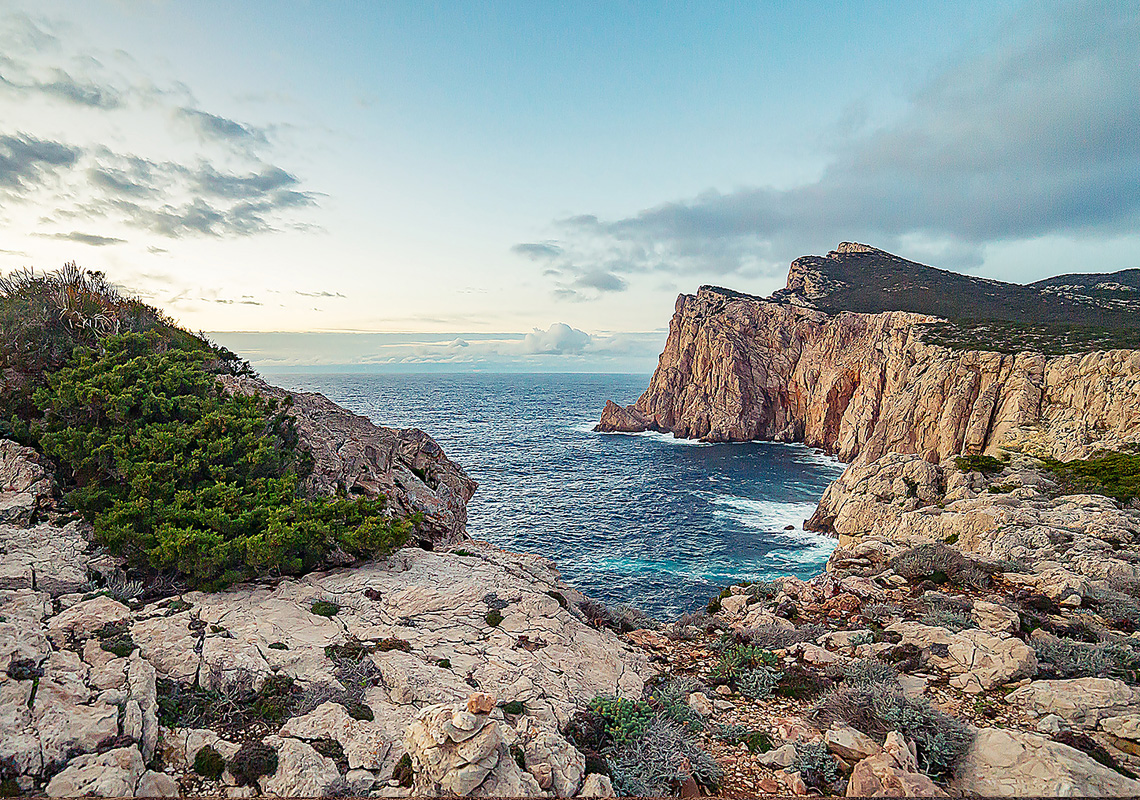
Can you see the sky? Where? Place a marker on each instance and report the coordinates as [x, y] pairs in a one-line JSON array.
[[528, 186]]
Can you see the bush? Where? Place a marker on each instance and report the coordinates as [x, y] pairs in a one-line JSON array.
[[940, 564], [209, 763], [877, 709], [816, 764], [621, 618], [881, 613], [774, 637], [324, 608], [403, 773], [757, 682], [24, 669], [513, 707], [180, 476], [1108, 473], [253, 761], [622, 720], [800, 683], [870, 672], [987, 465], [356, 672], [654, 764], [953, 621], [1068, 659], [493, 617]]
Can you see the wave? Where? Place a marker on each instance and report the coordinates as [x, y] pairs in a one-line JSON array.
[[768, 515]]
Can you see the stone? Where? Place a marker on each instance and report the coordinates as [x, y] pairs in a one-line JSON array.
[[1050, 724], [978, 660], [365, 743], [480, 703], [734, 604], [1079, 701], [995, 617], [1012, 763], [1123, 727], [66, 728], [170, 645], [893, 772], [849, 744], [359, 781], [141, 680], [597, 785], [44, 557], [301, 770], [782, 756], [700, 702], [115, 773], [796, 783], [157, 784], [83, 619], [560, 764]]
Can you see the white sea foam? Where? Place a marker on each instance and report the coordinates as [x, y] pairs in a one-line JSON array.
[[768, 515]]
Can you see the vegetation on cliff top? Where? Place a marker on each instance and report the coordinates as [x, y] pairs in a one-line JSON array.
[[174, 472], [1109, 473]]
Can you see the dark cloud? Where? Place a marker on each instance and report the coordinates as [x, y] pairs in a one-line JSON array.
[[212, 126], [537, 251], [26, 161], [1034, 136], [602, 281], [83, 238]]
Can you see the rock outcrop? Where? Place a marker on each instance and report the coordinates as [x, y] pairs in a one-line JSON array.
[[860, 386], [352, 454]]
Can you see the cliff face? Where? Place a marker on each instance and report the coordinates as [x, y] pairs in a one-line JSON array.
[[737, 368]]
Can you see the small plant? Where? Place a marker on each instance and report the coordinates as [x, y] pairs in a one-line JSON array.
[[654, 764], [493, 617], [883, 613], [869, 672], [816, 764], [757, 682], [324, 608], [1069, 659], [519, 756], [444, 663], [800, 683], [513, 707], [940, 564], [277, 646], [461, 552], [209, 763], [331, 748], [393, 643], [623, 720], [953, 621], [24, 669], [273, 702], [1108, 473], [359, 711], [756, 741], [253, 761], [120, 646]]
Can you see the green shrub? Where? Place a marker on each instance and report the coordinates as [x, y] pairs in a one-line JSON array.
[[513, 707], [209, 763], [622, 720], [277, 646], [493, 617], [940, 564], [987, 465], [324, 608], [120, 646], [253, 761], [953, 621], [444, 663], [797, 682], [24, 669], [1108, 473], [671, 698], [868, 672], [181, 476], [736, 659]]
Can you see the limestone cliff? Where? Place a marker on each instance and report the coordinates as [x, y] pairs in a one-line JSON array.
[[737, 368]]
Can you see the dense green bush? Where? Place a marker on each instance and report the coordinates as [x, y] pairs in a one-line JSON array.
[[1109, 473], [181, 476], [1065, 658], [987, 465]]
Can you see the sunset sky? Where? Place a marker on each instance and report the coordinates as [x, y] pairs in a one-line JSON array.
[[529, 185]]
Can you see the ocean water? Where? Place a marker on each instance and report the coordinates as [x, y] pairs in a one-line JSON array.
[[645, 519]]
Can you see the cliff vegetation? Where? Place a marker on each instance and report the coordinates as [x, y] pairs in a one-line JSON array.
[[174, 472]]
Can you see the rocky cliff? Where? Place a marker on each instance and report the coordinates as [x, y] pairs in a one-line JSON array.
[[353, 455], [737, 368]]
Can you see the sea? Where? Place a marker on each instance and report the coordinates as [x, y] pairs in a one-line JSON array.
[[642, 519]]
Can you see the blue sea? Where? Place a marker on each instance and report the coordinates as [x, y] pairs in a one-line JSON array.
[[645, 519]]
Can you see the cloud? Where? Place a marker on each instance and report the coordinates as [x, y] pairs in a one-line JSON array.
[[176, 170], [1032, 136], [212, 126], [537, 251], [26, 161], [559, 338], [83, 238], [601, 280]]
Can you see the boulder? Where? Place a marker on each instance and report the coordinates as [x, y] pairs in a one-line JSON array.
[[82, 620], [170, 645], [1006, 763], [115, 773], [1079, 701], [301, 770], [893, 772], [157, 784], [849, 744], [597, 785], [556, 764], [45, 557], [995, 618], [364, 742]]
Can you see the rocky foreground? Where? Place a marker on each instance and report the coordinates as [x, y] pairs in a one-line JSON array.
[[432, 672]]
